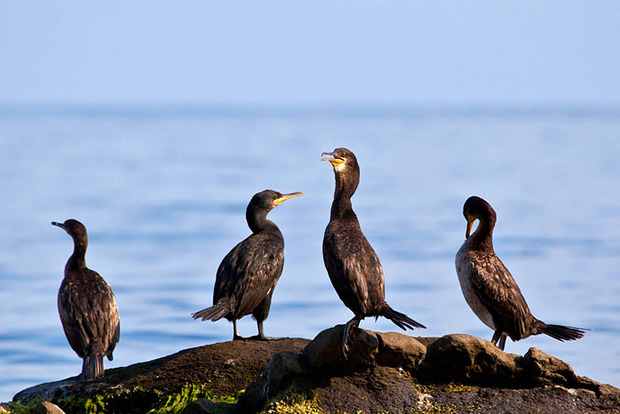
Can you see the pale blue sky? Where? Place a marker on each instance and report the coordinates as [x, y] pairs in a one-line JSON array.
[[281, 52]]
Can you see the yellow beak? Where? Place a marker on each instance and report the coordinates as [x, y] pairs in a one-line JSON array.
[[285, 197], [336, 161]]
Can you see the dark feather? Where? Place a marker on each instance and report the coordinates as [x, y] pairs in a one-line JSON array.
[[563, 333], [353, 267], [249, 272], [499, 292]]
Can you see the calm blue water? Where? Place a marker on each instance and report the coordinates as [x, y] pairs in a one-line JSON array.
[[163, 195]]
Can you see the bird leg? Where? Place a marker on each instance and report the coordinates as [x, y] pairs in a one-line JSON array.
[[347, 336], [259, 314], [496, 336], [501, 337], [236, 336], [502, 342], [261, 334]]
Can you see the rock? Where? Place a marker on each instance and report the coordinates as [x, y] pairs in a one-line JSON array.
[[283, 365], [399, 351], [376, 389], [554, 399], [46, 407], [425, 340], [222, 369], [385, 372], [468, 360], [48, 390], [204, 406], [281, 368], [321, 367], [324, 353], [547, 370]]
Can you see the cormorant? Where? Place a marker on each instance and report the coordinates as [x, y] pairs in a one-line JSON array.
[[87, 307], [352, 264], [489, 288], [248, 274]]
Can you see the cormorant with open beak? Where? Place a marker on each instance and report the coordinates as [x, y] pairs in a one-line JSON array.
[[352, 264]]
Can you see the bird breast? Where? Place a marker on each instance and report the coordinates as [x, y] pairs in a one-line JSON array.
[[465, 269]]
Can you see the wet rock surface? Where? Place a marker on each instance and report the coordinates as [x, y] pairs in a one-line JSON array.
[[385, 372]]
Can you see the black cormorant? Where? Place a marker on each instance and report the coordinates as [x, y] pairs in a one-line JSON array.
[[87, 307], [489, 288], [352, 264], [248, 274]]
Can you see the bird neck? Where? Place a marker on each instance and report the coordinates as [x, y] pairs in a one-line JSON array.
[[258, 222], [346, 184], [78, 258], [342, 207], [482, 238], [347, 181]]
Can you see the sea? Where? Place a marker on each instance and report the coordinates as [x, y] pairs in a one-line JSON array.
[[163, 190]]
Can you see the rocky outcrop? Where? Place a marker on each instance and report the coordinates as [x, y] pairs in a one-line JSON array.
[[392, 372], [215, 370], [385, 372], [468, 360]]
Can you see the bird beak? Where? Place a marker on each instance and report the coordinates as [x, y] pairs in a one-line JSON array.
[[285, 197], [470, 223], [336, 161], [55, 223]]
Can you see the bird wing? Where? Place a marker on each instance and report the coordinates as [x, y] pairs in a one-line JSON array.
[[89, 314], [353, 267], [249, 272], [498, 291]]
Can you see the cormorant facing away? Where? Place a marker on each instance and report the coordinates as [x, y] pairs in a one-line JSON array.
[[352, 264], [489, 288], [87, 307], [248, 274]]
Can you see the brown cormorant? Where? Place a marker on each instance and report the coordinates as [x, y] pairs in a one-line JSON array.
[[248, 274], [489, 288], [87, 307], [352, 264]]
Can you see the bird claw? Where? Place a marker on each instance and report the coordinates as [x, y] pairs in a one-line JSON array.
[[260, 338], [351, 331]]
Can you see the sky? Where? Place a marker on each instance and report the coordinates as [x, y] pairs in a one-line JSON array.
[[311, 52]]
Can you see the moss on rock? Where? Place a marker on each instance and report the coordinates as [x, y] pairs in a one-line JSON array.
[[293, 400]]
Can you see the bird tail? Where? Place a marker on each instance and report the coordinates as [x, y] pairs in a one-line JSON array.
[[562, 333], [92, 367], [214, 313], [401, 320]]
